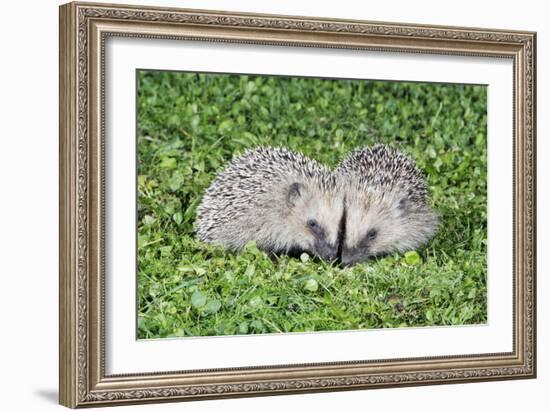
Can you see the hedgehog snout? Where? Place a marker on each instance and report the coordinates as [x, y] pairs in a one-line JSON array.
[[353, 255], [326, 251]]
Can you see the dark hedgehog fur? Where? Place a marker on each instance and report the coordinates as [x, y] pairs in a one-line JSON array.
[[383, 168]]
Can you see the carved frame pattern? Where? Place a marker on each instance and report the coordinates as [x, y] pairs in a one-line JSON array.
[[82, 36]]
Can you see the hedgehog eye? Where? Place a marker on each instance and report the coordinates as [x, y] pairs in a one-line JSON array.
[[312, 224], [371, 234]]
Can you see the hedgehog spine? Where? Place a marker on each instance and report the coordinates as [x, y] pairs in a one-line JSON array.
[[385, 202], [280, 199]]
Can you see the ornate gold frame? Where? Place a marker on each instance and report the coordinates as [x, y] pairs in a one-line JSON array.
[[83, 30]]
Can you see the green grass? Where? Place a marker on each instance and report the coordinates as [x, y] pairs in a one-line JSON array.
[[191, 125]]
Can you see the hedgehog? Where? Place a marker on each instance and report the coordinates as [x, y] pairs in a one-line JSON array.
[[283, 201], [386, 208]]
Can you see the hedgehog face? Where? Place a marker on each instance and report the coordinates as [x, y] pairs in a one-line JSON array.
[[314, 219], [383, 222]]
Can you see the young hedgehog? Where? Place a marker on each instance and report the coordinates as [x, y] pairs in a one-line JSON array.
[[386, 209], [284, 201]]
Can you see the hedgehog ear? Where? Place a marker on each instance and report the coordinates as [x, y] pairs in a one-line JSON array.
[[402, 205], [294, 193]]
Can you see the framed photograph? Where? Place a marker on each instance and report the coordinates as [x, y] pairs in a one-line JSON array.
[[259, 204]]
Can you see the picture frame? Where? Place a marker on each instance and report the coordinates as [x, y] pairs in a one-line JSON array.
[[84, 30]]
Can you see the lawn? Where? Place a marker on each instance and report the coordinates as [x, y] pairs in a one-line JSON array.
[[190, 125]]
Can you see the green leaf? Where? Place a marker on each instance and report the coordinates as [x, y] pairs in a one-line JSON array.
[[257, 325], [250, 247], [272, 299], [213, 306], [168, 162], [250, 87], [175, 182], [429, 315], [178, 218], [311, 285], [198, 299], [304, 257], [148, 219], [256, 301], [195, 121], [225, 126], [243, 327], [142, 180], [412, 258]]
